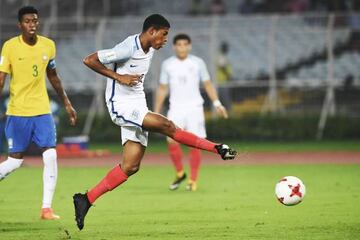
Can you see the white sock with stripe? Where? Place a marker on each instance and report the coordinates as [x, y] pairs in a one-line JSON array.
[[49, 176]]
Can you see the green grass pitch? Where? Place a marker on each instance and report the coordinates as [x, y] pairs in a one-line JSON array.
[[232, 202]]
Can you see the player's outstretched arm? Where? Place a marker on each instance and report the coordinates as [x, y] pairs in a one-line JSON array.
[[161, 94], [93, 62], [211, 92], [56, 83]]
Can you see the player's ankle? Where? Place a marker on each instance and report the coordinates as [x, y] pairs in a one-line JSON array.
[[191, 181], [180, 173]]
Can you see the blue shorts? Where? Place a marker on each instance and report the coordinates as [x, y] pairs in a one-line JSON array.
[[21, 131]]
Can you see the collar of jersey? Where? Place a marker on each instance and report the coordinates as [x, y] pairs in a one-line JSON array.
[[137, 39], [138, 43], [27, 45]]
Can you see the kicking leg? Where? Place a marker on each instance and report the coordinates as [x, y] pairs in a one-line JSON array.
[[132, 155], [157, 123], [12, 163]]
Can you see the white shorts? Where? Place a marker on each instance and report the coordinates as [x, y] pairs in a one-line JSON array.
[[191, 119], [129, 116]]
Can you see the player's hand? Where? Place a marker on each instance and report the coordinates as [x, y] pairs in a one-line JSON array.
[[72, 114], [130, 80], [222, 112]]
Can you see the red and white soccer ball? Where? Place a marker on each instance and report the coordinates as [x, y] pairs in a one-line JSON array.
[[290, 190]]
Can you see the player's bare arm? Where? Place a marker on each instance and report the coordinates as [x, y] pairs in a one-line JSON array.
[[2, 81], [56, 83], [211, 92], [161, 94], [93, 62]]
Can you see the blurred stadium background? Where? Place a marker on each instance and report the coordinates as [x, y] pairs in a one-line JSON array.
[[286, 70]]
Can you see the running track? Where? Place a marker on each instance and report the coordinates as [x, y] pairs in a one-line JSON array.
[[251, 158]]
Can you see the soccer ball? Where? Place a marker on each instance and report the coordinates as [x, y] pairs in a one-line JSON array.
[[290, 190]]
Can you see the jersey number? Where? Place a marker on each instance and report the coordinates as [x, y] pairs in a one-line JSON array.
[[35, 70]]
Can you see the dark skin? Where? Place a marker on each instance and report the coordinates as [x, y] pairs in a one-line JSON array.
[[29, 25], [154, 122]]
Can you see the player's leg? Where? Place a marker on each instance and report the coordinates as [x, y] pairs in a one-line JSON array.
[[194, 162], [18, 134], [176, 155], [157, 123], [50, 173], [132, 154], [175, 151], [176, 158], [44, 136], [13, 162], [195, 123]]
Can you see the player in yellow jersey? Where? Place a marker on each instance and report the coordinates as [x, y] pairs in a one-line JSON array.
[[29, 58]]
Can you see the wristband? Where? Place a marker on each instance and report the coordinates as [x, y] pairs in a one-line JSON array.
[[217, 103]]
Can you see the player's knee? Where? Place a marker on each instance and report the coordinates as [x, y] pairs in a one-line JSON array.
[[16, 155], [131, 169], [169, 127], [49, 156]]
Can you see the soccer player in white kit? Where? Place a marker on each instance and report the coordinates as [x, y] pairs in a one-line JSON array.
[[182, 74], [127, 107]]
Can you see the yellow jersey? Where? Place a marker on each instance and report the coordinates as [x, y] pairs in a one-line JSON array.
[[27, 66]]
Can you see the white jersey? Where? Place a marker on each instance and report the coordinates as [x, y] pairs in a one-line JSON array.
[[127, 57], [183, 78]]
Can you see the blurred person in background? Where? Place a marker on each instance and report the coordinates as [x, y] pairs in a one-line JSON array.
[[298, 6], [224, 74], [246, 7], [196, 8], [217, 7], [181, 75]]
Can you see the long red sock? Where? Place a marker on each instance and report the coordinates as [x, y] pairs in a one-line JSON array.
[[194, 141], [176, 156], [114, 178], [195, 156]]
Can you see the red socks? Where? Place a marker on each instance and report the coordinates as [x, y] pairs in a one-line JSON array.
[[194, 163], [194, 141], [176, 156], [114, 178]]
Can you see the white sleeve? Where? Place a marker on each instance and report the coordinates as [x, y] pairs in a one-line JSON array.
[[164, 76], [120, 52], [204, 73]]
